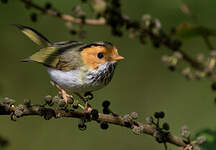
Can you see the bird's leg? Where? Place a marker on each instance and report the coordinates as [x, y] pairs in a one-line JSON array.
[[65, 96], [62, 92]]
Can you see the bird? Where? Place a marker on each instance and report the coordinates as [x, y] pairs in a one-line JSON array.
[[74, 66]]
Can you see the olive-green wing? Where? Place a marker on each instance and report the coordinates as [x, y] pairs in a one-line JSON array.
[[61, 57], [48, 56]]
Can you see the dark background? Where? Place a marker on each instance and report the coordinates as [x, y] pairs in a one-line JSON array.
[[141, 83]]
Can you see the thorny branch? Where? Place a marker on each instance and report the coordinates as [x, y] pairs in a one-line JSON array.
[[48, 111]]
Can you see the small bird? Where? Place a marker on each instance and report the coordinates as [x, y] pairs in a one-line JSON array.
[[74, 66]]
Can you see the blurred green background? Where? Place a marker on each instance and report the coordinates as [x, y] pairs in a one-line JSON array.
[[141, 83]]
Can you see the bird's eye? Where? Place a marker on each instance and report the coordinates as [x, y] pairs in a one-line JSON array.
[[100, 55]]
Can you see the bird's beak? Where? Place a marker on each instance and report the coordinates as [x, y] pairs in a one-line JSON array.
[[117, 58]]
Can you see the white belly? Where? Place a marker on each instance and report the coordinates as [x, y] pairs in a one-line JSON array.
[[80, 81]]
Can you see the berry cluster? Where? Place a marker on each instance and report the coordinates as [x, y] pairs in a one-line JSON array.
[[161, 132]]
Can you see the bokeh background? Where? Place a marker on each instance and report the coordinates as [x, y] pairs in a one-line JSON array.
[[141, 83]]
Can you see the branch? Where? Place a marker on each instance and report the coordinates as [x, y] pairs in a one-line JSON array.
[[7, 107], [65, 17]]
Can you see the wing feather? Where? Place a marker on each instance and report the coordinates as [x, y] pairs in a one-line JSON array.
[[59, 57]]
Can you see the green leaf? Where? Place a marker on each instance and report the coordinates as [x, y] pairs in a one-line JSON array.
[[187, 30], [210, 135]]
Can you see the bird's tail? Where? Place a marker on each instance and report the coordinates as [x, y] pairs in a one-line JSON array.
[[34, 35]]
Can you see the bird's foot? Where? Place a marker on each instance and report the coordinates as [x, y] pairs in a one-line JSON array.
[[63, 93], [65, 96], [87, 96]]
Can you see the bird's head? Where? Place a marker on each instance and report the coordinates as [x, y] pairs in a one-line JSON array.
[[100, 53]]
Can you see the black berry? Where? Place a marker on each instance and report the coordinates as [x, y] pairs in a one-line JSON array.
[[159, 114], [162, 114], [166, 126], [106, 104], [156, 115], [48, 5], [106, 111], [104, 126]]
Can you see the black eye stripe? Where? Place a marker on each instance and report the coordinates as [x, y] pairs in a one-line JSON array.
[[100, 55]]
